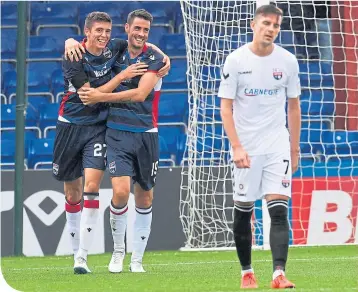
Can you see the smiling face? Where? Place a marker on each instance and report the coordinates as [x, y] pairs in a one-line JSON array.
[[266, 28], [138, 32], [98, 35]]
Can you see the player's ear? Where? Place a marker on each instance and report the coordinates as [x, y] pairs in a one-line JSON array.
[[126, 28], [252, 24], [86, 31]]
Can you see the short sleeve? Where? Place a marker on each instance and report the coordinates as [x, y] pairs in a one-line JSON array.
[[74, 73], [293, 85], [154, 61], [229, 79]]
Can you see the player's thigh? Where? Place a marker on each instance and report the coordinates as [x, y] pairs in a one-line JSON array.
[[95, 149], [247, 181], [120, 153], [147, 159], [277, 174], [121, 189], [67, 152]]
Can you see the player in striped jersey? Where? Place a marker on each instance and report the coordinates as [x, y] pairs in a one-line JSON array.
[[132, 139], [80, 146]]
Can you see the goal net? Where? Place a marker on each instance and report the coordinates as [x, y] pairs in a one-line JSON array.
[[324, 37]]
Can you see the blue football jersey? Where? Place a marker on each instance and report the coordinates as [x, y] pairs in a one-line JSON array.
[[97, 70], [136, 116]]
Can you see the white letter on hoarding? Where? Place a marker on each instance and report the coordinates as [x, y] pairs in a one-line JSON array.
[[319, 216], [7, 200]]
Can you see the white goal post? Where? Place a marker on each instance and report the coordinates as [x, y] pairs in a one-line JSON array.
[[324, 37]]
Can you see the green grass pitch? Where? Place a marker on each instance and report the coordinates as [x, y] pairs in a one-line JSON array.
[[332, 268]]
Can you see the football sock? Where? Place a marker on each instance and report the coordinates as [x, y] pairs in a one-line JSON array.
[[243, 234], [279, 233], [73, 217], [88, 222], [142, 227], [118, 221]]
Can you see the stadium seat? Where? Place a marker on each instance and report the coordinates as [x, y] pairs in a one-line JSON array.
[[48, 115], [8, 13], [45, 47], [40, 150], [176, 78], [3, 98], [170, 132], [8, 43], [50, 132], [173, 44], [30, 133], [316, 74], [181, 146], [172, 106], [7, 151], [164, 154], [8, 116], [57, 29], [340, 137], [317, 103]]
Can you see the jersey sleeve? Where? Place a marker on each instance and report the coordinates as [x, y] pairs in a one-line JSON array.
[[293, 86], [119, 45], [154, 61], [229, 79], [74, 73]]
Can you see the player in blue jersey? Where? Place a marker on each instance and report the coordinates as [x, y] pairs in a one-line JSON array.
[[132, 139], [80, 147]]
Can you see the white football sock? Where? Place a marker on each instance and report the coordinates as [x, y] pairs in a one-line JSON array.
[[118, 222], [90, 214], [277, 273], [142, 227], [73, 217]]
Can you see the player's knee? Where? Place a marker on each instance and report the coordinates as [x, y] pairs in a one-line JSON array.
[[278, 210], [242, 218], [91, 187], [144, 200], [73, 195]]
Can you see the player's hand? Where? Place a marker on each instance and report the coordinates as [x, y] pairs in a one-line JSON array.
[[164, 70], [90, 95], [241, 158], [73, 50], [294, 160], [134, 70]]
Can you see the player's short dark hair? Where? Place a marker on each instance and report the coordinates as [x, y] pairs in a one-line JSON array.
[[97, 16], [268, 9], [141, 13]]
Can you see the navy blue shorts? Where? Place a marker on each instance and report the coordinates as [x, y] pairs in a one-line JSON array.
[[78, 147], [133, 154]]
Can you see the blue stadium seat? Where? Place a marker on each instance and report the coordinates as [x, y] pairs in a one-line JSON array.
[[9, 81], [173, 44], [340, 137], [40, 150], [50, 132], [58, 82], [48, 115], [8, 115], [316, 74], [63, 31], [181, 145], [53, 13], [286, 38], [156, 33], [8, 13], [6, 67], [44, 68], [164, 154], [8, 151], [176, 78], [45, 47], [30, 133], [317, 103], [8, 43], [35, 100], [170, 133], [172, 106]]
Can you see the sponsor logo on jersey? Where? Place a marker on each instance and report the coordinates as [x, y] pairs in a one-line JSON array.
[[101, 73], [107, 53], [260, 91], [277, 73]]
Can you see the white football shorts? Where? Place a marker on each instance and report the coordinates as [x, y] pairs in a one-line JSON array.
[[268, 174]]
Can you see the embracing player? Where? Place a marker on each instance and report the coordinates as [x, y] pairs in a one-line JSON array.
[[257, 79], [132, 139], [80, 147]]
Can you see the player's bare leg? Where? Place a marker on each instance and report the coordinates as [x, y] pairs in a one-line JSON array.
[[118, 221], [73, 197], [142, 226], [279, 238], [90, 212], [243, 242]]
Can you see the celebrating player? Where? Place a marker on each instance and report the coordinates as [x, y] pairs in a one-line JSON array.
[[80, 132], [256, 80], [132, 139]]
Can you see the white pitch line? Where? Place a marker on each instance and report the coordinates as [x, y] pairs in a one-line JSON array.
[[191, 263]]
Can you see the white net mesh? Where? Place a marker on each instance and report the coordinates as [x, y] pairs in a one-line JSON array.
[[324, 38]]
